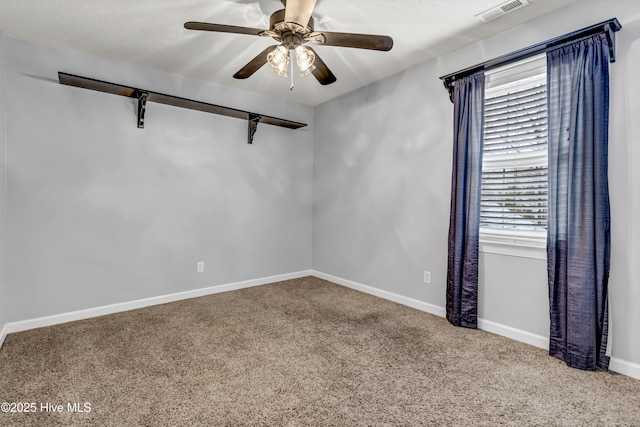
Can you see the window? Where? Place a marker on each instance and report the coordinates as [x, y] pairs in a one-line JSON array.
[[514, 169]]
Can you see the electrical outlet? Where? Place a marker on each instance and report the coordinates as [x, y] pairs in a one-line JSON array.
[[427, 277], [200, 266]]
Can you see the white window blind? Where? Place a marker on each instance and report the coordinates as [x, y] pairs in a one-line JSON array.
[[514, 169]]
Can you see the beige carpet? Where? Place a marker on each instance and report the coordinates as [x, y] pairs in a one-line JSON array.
[[301, 352]]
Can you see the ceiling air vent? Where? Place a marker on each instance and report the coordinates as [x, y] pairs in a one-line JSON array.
[[503, 9]]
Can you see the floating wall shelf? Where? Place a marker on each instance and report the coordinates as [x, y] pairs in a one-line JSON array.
[[143, 96]]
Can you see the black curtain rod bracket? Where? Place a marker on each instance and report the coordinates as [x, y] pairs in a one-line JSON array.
[[144, 96], [609, 28]]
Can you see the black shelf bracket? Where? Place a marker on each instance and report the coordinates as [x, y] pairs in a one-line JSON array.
[[144, 96], [254, 119], [142, 106]]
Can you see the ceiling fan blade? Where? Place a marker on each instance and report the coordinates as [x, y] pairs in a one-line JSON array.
[[358, 41], [299, 11], [322, 73], [220, 28], [254, 65]]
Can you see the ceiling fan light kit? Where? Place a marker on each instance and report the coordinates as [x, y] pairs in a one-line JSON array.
[[279, 60], [292, 27], [305, 59]]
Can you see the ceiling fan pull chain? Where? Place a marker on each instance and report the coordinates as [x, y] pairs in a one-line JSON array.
[[291, 70]]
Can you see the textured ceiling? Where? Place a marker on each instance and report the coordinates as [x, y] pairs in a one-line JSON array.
[[150, 33]]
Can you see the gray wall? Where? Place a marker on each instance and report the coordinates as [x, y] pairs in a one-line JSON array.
[[101, 212], [382, 183], [3, 167]]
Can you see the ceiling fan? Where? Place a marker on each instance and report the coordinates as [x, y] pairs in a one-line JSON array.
[[292, 27]]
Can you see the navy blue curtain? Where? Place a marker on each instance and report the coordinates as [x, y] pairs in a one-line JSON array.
[[578, 240], [464, 222]]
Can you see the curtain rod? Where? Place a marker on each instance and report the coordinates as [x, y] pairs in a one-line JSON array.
[[608, 27]]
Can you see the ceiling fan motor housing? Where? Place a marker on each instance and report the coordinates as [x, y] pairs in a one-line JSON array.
[[278, 25]]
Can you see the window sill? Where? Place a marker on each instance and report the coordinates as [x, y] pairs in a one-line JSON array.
[[526, 245]]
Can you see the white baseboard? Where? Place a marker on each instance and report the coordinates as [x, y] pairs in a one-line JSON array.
[[514, 334], [616, 365], [411, 302], [141, 303], [625, 368], [3, 334]]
